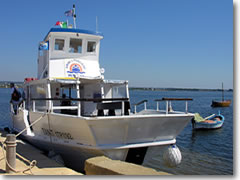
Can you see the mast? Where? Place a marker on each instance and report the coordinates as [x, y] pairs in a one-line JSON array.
[[74, 16], [96, 24], [222, 93]]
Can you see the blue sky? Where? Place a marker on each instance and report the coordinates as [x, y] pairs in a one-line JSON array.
[[151, 43]]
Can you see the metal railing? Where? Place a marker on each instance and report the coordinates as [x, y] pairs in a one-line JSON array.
[[168, 100], [168, 104], [141, 102], [95, 100]]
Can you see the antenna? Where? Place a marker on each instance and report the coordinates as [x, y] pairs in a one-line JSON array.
[[74, 16], [222, 93], [96, 24]]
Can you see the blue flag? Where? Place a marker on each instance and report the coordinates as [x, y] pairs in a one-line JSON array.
[[43, 46], [69, 13]]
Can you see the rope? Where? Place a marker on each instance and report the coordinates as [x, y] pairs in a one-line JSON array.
[[31, 163], [3, 147], [31, 125]]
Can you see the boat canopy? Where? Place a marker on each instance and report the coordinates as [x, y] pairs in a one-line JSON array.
[[71, 30], [76, 81]]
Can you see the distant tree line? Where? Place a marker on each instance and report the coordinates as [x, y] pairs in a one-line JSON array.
[[175, 89], [6, 84]]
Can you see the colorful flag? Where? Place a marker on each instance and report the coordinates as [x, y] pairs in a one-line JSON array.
[[58, 23], [61, 24], [44, 45], [69, 13]]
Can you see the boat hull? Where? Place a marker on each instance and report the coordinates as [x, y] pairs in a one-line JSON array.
[[221, 103], [79, 138], [212, 125]]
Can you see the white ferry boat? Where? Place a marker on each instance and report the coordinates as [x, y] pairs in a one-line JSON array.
[[71, 109]]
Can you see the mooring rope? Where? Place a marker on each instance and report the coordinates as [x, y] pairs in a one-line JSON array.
[[32, 163], [31, 125]]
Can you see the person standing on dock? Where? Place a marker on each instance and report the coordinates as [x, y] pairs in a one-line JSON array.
[[15, 97]]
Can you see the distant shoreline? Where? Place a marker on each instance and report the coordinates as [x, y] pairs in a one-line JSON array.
[[175, 89], [6, 84]]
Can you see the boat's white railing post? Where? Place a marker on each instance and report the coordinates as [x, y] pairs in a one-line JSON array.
[[127, 91], [50, 103], [166, 107], [157, 106], [79, 108], [102, 90], [186, 107], [169, 103], [33, 106], [51, 109], [145, 105], [78, 96], [24, 105], [123, 107]]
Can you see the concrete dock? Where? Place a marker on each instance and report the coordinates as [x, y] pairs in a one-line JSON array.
[[102, 165], [46, 166]]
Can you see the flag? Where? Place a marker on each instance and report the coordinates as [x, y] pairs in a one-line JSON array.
[[43, 45], [58, 23], [69, 13], [61, 24]]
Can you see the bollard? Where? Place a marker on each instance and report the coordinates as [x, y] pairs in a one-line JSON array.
[[11, 152]]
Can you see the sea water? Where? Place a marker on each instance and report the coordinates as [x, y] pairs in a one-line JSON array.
[[203, 152]]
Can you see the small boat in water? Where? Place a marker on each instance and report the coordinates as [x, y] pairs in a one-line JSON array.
[[222, 103], [211, 122]]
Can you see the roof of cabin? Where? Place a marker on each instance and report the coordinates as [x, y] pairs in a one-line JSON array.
[[71, 30]]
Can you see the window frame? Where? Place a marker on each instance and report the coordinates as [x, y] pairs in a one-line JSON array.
[[64, 47], [91, 40], [69, 41]]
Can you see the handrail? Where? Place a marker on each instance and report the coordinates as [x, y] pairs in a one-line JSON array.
[[169, 108], [95, 100], [174, 99], [145, 105], [143, 101], [80, 99], [64, 107]]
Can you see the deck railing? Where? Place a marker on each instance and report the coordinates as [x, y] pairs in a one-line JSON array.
[[168, 103], [107, 105], [95, 100], [141, 102]]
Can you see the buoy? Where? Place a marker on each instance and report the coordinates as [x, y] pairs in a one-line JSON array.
[[172, 156]]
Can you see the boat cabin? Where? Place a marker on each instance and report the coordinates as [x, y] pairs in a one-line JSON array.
[[70, 53], [70, 80]]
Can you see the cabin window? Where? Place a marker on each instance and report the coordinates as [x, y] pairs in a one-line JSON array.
[[91, 46], [59, 44], [75, 45]]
